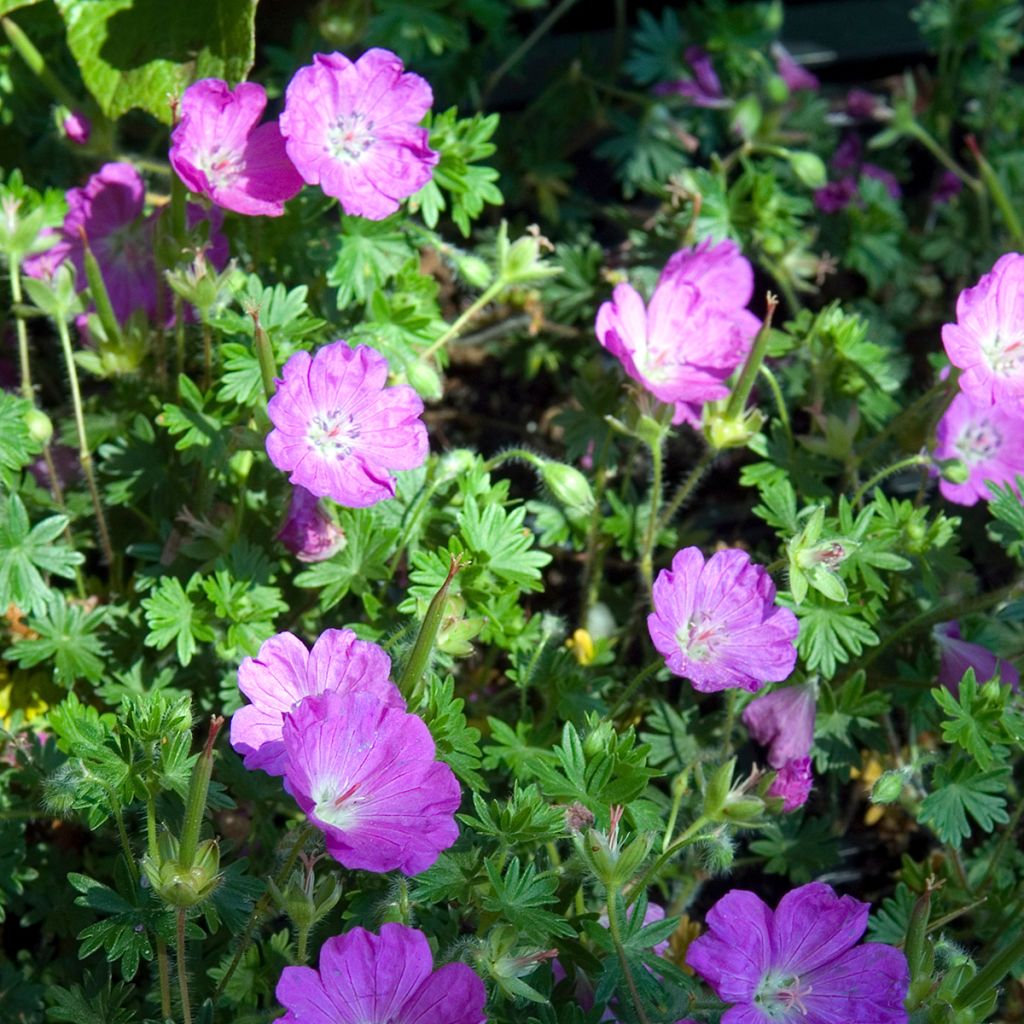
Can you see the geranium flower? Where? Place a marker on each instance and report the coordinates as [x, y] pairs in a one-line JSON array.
[[792, 782], [800, 964], [308, 532], [364, 773], [219, 152], [717, 624], [683, 346], [107, 212], [783, 721], [339, 429], [704, 89], [987, 340], [385, 977], [354, 130], [957, 655], [285, 671], [794, 74], [77, 127], [988, 438]]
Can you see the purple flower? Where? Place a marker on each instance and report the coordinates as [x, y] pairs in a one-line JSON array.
[[284, 672], [77, 127], [685, 343], [783, 721], [385, 977], [987, 341], [988, 438], [795, 75], [861, 105], [849, 153], [716, 623], [219, 152], [887, 178], [793, 782], [705, 89], [364, 773], [354, 130], [308, 532], [957, 655], [339, 430], [836, 195], [107, 212], [800, 964], [948, 188]]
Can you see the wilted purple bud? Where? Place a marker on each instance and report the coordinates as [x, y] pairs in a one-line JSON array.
[[308, 532], [861, 104], [957, 655], [77, 127], [948, 188], [795, 75], [835, 196], [793, 783], [783, 721]]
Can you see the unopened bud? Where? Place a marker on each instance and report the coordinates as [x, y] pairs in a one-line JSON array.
[[40, 426], [176, 884], [809, 168], [888, 788], [568, 485], [955, 471]]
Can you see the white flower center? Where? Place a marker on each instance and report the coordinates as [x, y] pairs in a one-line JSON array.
[[333, 433], [696, 638], [337, 804], [1005, 355], [350, 137], [979, 441], [221, 167], [780, 997]]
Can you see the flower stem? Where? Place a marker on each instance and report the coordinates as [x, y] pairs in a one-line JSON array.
[[741, 392], [613, 924], [195, 805], [186, 1006], [687, 487], [466, 316], [780, 402], [997, 192], [262, 906], [27, 390], [264, 355], [594, 558], [882, 474], [641, 677], [922, 135], [164, 971], [691, 835], [979, 987], [84, 455], [647, 552]]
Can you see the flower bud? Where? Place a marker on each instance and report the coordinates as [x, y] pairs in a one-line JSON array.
[[176, 884], [425, 380], [888, 788], [306, 903], [568, 485], [724, 431], [955, 471], [809, 168], [77, 127], [40, 426], [716, 792]]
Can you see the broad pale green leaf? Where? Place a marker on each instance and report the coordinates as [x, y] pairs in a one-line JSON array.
[[136, 53]]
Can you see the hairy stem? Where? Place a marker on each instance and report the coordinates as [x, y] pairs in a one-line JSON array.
[[186, 1006], [613, 924], [465, 317]]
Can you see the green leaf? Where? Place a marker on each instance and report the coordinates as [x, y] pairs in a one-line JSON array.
[[26, 553], [369, 255], [501, 546], [66, 635], [830, 635], [457, 741], [173, 617], [135, 53], [1007, 510], [801, 848], [122, 935], [961, 788], [518, 896], [17, 446]]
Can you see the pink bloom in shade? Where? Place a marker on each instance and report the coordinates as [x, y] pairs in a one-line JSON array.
[[376, 978], [716, 622], [339, 430], [849, 153], [77, 127], [685, 343], [793, 782], [801, 963], [957, 655], [987, 340], [354, 130], [308, 532], [861, 104], [794, 74], [887, 178], [988, 438], [835, 196], [284, 672], [948, 188], [218, 150], [364, 773], [783, 721], [705, 89]]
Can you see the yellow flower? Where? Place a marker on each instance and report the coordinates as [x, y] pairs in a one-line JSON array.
[[582, 646]]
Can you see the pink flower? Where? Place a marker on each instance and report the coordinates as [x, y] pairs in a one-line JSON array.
[[308, 532], [783, 721], [354, 130], [957, 655], [988, 438], [107, 212], [887, 178], [987, 341], [339, 430], [801, 963], [695, 331], [835, 196], [364, 773], [219, 152], [716, 623], [705, 89], [795, 75], [948, 188], [77, 127], [385, 977], [862, 105], [284, 672], [793, 782]]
